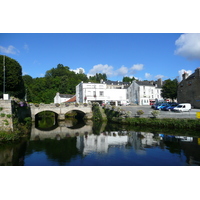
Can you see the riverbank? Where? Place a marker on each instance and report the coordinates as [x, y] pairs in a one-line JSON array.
[[120, 116]]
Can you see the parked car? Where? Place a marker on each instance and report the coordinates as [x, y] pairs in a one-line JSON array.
[[155, 105], [182, 107], [161, 106], [169, 107]]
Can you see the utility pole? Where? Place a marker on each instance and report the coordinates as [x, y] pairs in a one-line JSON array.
[[4, 75]]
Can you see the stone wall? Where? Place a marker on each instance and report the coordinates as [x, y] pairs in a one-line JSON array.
[[188, 89], [6, 123]]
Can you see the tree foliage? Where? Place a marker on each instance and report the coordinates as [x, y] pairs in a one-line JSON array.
[[169, 89], [60, 79], [98, 77], [14, 84], [42, 90], [128, 79]]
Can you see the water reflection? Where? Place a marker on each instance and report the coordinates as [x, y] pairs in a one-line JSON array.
[[109, 147]]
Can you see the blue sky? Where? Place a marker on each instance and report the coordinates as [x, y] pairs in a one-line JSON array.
[[146, 56]]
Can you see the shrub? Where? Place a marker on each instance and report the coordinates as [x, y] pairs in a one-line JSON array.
[[140, 112], [2, 114], [8, 115], [6, 122], [155, 113]]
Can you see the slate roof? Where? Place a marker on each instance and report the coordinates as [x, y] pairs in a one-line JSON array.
[[116, 83], [66, 95]]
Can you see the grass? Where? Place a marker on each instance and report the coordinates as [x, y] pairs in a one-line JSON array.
[[8, 136], [171, 123]]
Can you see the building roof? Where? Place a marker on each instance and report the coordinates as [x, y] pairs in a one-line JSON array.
[[116, 83], [66, 95], [73, 99], [147, 83], [191, 76]]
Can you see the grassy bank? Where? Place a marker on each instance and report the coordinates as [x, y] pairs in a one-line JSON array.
[[21, 130], [170, 123], [8, 136]]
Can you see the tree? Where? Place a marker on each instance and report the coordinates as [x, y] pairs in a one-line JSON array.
[[98, 77], [14, 84], [128, 79], [169, 89]]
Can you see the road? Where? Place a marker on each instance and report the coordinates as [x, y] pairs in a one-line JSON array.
[[163, 114]]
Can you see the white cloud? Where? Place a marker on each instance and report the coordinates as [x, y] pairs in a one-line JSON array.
[[182, 71], [9, 50], [147, 75], [137, 67], [159, 76], [188, 45], [78, 70], [108, 70], [122, 71]]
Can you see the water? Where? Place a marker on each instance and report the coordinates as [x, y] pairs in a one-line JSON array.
[[101, 146]]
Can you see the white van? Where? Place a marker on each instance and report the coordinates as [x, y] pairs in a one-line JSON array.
[[183, 107]]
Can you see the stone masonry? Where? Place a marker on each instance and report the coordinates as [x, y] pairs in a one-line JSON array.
[[6, 122], [189, 89]]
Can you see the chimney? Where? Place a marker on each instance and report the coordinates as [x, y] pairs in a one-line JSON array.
[[185, 75], [197, 72], [159, 83]]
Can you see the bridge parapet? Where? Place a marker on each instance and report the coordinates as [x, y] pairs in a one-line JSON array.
[[61, 109]]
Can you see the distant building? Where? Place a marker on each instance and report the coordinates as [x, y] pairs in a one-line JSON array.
[[119, 93], [145, 92], [111, 92], [189, 89], [60, 98]]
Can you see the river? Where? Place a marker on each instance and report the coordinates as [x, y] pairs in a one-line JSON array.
[[101, 145]]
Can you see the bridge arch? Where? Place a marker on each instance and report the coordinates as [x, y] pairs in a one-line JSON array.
[[61, 110]]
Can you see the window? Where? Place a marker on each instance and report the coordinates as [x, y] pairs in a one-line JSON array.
[[101, 93]]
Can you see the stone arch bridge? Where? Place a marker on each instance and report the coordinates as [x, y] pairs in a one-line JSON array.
[[61, 110]]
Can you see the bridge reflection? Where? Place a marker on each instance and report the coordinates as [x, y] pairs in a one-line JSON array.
[[62, 131]]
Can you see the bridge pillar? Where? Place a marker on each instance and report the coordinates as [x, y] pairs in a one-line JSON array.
[[61, 117], [88, 115]]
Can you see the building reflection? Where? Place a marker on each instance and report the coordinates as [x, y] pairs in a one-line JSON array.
[[101, 143]]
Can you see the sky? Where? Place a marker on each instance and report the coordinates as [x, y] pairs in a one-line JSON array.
[[145, 56]]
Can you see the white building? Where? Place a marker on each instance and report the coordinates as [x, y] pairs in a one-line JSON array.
[[144, 92], [60, 98], [119, 93], [112, 92]]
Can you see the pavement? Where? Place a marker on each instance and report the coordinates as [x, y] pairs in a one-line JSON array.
[[163, 114]]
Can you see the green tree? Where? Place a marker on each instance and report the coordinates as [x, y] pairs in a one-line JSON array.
[[14, 84], [98, 77], [169, 89], [128, 79]]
